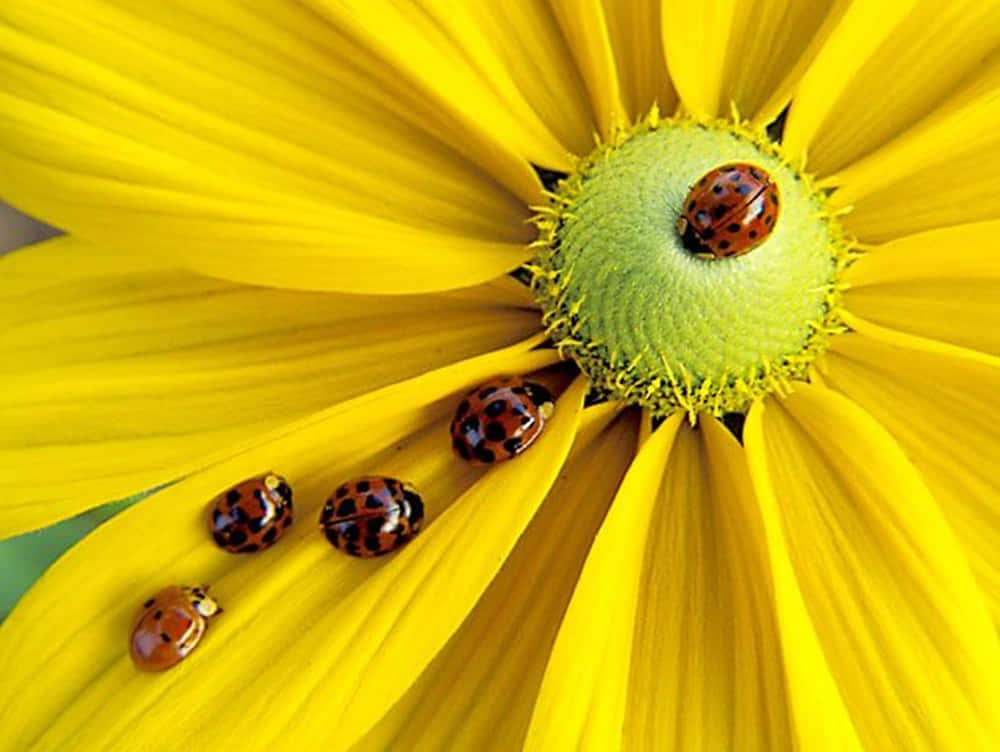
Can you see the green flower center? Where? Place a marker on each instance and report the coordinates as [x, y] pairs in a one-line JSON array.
[[651, 322]]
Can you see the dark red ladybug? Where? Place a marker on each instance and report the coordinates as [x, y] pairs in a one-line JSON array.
[[372, 515], [500, 419], [251, 515], [729, 211]]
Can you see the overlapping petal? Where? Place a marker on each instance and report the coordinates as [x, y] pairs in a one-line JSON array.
[[954, 149], [301, 616], [119, 375], [942, 284], [706, 668], [885, 66], [748, 54], [943, 411], [872, 587], [480, 691], [275, 149], [584, 692]]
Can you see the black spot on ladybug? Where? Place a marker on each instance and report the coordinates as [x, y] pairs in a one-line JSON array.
[[774, 197], [753, 234], [232, 497], [461, 448], [734, 227], [351, 532], [374, 525], [164, 636], [718, 212], [495, 408], [743, 189], [470, 425], [372, 501], [723, 244], [483, 454], [237, 537], [756, 175], [463, 408], [487, 392], [158, 615], [149, 603], [495, 432], [342, 491], [332, 535], [257, 524], [716, 189], [286, 523], [767, 219], [730, 168], [372, 543], [512, 445], [250, 548], [347, 508], [270, 535], [363, 486]]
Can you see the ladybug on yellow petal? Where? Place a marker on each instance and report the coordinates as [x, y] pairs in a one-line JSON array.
[[500, 419], [251, 515], [168, 626], [372, 515], [730, 211]]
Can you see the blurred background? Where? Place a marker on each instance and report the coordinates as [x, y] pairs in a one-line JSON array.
[[24, 558]]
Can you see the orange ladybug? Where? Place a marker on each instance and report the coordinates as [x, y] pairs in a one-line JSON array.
[[168, 626], [500, 419], [372, 515], [730, 210], [251, 515]]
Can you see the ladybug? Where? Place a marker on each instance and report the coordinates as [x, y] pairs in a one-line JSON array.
[[372, 515], [731, 210], [251, 515], [168, 626], [500, 419]]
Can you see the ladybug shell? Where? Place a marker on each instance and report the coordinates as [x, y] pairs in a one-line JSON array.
[[730, 211], [499, 419], [251, 515], [372, 515], [168, 626]]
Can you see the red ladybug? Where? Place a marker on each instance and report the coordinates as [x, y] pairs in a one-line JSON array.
[[499, 419], [372, 515], [251, 515], [729, 211], [168, 626]]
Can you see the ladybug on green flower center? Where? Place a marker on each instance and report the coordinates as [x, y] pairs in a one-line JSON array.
[[731, 210]]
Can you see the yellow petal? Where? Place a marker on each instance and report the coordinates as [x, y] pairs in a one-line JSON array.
[[300, 616], [706, 666], [634, 32], [942, 284], [902, 625], [582, 700], [118, 377], [886, 66], [479, 692], [750, 54], [943, 412], [228, 141], [586, 29]]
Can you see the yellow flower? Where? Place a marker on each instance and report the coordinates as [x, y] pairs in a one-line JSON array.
[[292, 227]]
